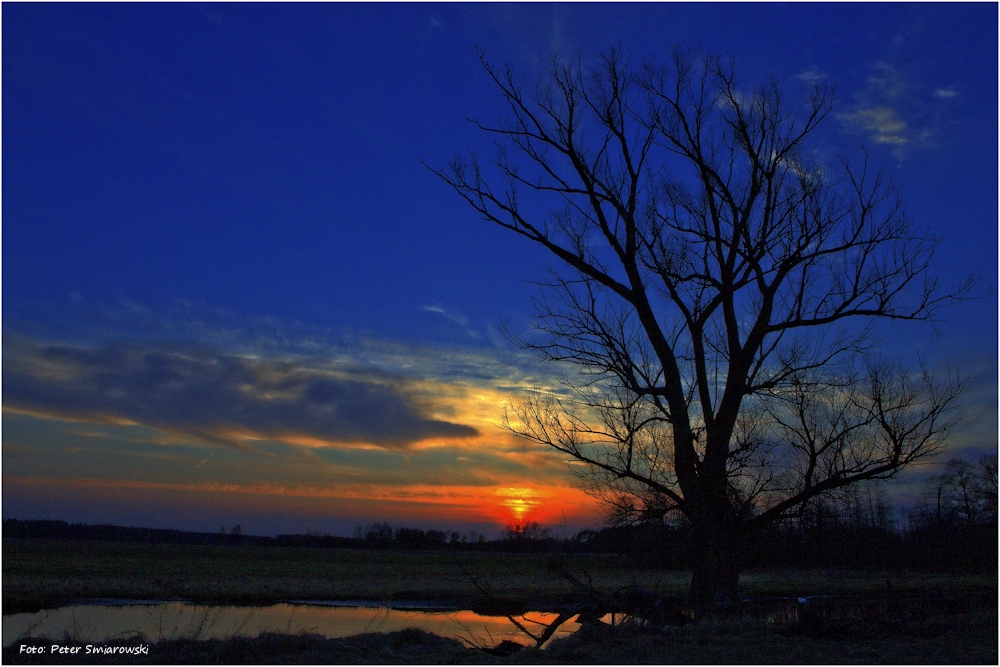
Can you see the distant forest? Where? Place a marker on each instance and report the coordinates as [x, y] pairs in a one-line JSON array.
[[954, 528]]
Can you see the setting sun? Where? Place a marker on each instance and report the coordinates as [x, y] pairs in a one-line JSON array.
[[520, 502]]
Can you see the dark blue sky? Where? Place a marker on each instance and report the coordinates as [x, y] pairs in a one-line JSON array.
[[249, 177]]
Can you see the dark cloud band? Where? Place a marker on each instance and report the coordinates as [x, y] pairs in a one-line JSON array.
[[212, 395]]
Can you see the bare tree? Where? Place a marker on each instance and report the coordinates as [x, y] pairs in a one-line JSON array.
[[716, 290], [986, 486], [964, 493]]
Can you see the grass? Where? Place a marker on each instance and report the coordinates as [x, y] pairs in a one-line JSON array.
[[961, 627], [966, 639], [44, 573], [41, 573]]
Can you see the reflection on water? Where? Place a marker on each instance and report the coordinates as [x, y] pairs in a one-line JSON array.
[[170, 620]]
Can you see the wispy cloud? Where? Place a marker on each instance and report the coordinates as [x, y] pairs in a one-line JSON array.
[[894, 111], [882, 124], [887, 82], [457, 318], [811, 76], [945, 93]]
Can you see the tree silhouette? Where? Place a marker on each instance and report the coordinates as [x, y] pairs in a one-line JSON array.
[[717, 289], [964, 493]]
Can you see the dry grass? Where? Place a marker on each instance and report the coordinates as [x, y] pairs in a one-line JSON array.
[[969, 638], [38, 573], [42, 573]]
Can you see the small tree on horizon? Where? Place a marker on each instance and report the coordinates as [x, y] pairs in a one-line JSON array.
[[963, 493], [716, 289]]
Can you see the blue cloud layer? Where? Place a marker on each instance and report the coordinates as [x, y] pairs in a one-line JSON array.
[[216, 396]]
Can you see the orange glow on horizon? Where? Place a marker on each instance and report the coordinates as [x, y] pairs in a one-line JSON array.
[[502, 506], [410, 481], [521, 503]]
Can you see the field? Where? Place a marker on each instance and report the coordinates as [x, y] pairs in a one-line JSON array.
[[961, 625], [40, 573]]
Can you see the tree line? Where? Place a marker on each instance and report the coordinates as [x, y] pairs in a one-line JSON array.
[[952, 527]]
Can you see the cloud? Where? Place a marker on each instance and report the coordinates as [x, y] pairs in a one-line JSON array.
[[893, 111], [338, 423], [218, 397], [811, 76], [887, 82], [945, 93], [460, 320], [882, 124]]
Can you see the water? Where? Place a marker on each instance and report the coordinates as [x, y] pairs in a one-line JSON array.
[[95, 623], [100, 620]]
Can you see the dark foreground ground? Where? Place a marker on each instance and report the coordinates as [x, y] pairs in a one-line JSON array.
[[920, 618], [44, 574], [964, 638]]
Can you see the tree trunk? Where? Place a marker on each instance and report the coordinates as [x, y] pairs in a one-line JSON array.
[[715, 582]]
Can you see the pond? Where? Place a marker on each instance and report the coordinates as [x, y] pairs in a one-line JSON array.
[[104, 619]]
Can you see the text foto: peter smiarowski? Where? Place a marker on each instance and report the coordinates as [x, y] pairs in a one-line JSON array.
[[89, 649]]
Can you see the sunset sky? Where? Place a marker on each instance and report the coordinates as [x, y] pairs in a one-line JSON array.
[[233, 294]]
